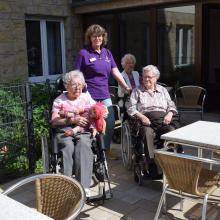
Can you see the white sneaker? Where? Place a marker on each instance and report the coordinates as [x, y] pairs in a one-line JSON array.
[[88, 192]]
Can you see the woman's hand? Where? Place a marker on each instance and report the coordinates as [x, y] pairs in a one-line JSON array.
[[167, 118], [128, 90], [79, 120]]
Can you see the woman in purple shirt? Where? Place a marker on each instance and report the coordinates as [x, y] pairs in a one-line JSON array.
[[97, 63]]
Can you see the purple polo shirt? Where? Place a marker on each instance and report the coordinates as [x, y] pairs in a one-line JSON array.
[[96, 69]]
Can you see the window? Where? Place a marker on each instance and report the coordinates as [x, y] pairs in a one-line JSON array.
[[183, 45], [128, 32], [45, 49], [176, 44]]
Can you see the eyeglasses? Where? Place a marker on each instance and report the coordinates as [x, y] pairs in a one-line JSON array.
[[96, 36], [149, 77], [76, 85]]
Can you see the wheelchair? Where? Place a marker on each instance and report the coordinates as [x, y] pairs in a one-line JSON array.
[[116, 137], [52, 159], [133, 153]]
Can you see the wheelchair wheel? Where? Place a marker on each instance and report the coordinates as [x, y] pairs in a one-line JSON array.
[[126, 146], [52, 163]]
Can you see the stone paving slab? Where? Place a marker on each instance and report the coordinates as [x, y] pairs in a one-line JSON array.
[[130, 201], [133, 202]]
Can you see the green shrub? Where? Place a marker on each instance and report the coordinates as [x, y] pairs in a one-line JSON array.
[[13, 151], [41, 101], [42, 95], [13, 155]]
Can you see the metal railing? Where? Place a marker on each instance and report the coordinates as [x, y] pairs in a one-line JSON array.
[[16, 129]]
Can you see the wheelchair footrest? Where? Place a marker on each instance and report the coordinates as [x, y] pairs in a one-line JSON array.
[[99, 198]]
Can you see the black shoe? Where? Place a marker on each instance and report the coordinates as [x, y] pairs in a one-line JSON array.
[[158, 177], [152, 170]]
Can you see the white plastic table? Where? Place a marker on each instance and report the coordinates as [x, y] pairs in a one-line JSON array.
[[200, 134], [11, 209]]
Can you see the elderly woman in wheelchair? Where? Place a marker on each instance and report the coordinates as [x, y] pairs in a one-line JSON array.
[[155, 114], [68, 111]]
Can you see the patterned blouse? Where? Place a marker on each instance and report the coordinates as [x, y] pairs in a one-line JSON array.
[[144, 101]]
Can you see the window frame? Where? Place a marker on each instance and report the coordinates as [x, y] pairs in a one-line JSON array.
[[179, 45], [44, 51]]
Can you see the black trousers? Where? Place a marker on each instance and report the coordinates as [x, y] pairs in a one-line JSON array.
[[154, 131]]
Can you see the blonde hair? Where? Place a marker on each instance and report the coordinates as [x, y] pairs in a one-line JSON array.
[[98, 30]]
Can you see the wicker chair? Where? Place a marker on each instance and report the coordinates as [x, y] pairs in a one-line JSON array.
[[190, 99], [57, 196], [185, 177]]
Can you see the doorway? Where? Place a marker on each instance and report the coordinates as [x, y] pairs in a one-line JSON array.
[[211, 54]]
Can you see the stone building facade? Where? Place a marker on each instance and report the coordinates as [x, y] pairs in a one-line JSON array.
[[14, 49], [179, 36], [13, 44]]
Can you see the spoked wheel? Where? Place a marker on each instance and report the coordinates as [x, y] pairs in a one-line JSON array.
[[126, 146], [138, 174]]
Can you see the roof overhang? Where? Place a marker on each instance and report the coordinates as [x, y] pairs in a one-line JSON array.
[[92, 6], [76, 3]]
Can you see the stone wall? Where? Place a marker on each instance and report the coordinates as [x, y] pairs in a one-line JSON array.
[[13, 55]]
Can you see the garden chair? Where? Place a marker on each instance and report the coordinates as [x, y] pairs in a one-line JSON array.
[[169, 89], [190, 99], [162, 84], [185, 177], [57, 196]]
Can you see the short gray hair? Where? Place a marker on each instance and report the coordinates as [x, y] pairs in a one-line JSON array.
[[152, 68], [127, 57], [68, 77]]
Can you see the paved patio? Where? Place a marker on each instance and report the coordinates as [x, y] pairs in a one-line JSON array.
[[130, 201]]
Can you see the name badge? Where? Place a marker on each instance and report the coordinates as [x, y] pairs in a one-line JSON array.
[[92, 59]]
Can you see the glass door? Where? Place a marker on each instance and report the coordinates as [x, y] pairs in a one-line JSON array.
[[176, 43], [211, 54], [128, 32]]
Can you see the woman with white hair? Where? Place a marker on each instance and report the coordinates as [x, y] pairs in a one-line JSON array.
[[76, 150], [130, 76], [156, 113]]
